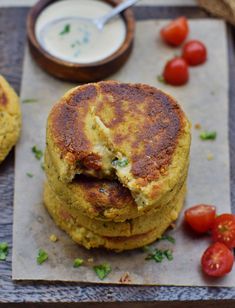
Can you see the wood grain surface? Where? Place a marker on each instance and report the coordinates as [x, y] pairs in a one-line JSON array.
[[37, 294]]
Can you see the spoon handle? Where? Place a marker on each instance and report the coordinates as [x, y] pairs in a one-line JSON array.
[[122, 6]]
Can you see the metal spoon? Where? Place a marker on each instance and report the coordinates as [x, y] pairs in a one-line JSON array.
[[100, 22]]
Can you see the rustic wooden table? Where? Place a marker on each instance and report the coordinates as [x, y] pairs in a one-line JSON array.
[[33, 294]]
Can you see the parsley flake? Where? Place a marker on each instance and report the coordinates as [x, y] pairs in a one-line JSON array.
[[146, 249], [120, 162], [42, 256], [65, 30], [205, 135], [78, 262], [168, 254], [29, 100], [37, 153], [161, 79], [102, 270], [168, 238], [159, 255], [30, 175], [4, 249]]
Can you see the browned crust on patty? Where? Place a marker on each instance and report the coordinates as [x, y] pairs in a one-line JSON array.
[[67, 125], [142, 116], [85, 93], [104, 194], [158, 135]]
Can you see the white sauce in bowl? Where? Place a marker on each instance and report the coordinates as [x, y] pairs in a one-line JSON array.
[[76, 40]]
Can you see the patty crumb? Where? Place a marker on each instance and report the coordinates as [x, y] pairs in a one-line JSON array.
[[125, 278], [53, 238], [210, 156], [197, 126]]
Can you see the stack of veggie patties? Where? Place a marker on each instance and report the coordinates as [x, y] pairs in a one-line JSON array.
[[116, 161]]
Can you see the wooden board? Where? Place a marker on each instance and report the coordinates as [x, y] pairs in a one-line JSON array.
[[12, 41]]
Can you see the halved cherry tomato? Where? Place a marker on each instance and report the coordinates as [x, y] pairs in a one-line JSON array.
[[217, 260], [176, 72], [175, 32], [200, 217], [194, 52], [223, 230]]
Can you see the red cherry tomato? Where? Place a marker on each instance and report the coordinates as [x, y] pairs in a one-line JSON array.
[[217, 260], [176, 72], [175, 32], [223, 230], [200, 217], [194, 52]]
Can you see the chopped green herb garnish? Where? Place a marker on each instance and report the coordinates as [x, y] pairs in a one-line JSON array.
[[168, 238], [65, 30], [42, 256], [85, 39], [159, 255], [146, 249], [29, 100], [168, 254], [43, 166], [161, 79], [30, 175], [4, 249], [208, 135], [102, 270], [38, 153], [77, 43], [78, 262], [120, 162]]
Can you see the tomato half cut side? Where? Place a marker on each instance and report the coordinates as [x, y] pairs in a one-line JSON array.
[[200, 217], [223, 230], [176, 31], [217, 260]]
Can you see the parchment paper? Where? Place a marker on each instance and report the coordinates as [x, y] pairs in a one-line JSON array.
[[205, 99]]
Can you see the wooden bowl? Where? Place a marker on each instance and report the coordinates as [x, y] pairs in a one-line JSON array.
[[94, 71]]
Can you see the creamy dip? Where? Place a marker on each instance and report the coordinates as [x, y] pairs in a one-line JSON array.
[[76, 40]]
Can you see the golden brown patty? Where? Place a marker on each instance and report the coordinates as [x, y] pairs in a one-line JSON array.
[[130, 227], [101, 199], [132, 131], [69, 222], [10, 118]]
